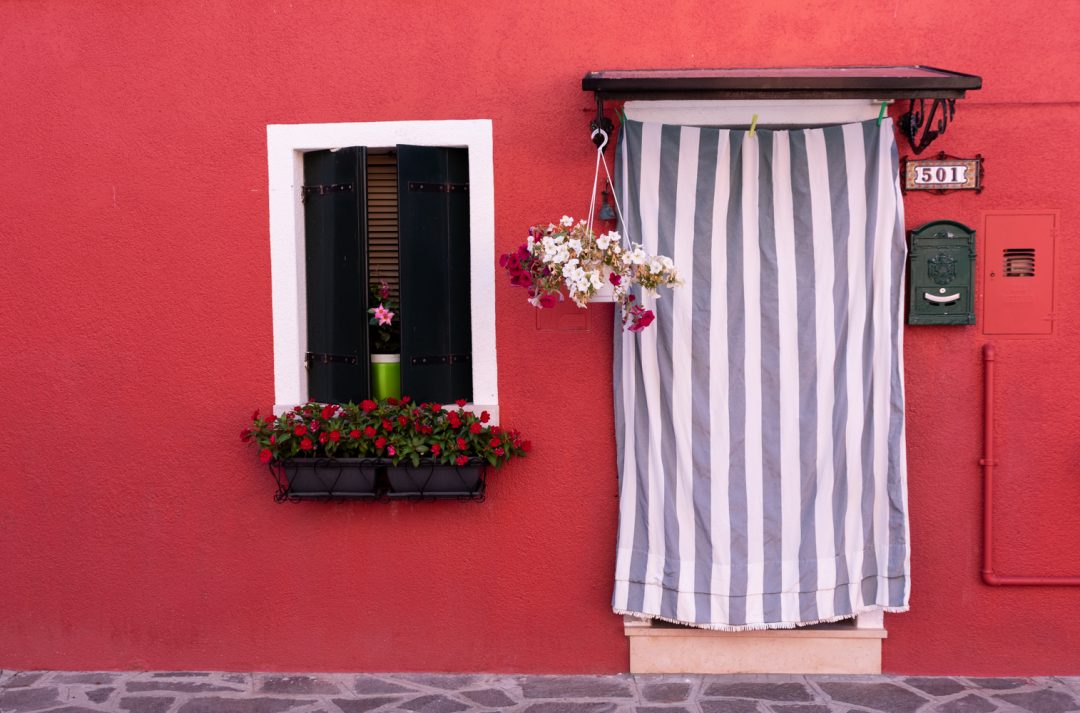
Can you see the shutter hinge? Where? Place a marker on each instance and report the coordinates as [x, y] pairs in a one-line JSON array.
[[326, 190], [440, 359], [422, 187], [310, 357]]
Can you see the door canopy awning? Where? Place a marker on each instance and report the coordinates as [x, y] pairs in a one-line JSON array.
[[916, 83]]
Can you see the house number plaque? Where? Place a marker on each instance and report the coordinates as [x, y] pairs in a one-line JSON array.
[[943, 173]]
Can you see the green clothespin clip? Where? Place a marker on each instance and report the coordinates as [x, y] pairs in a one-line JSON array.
[[753, 126], [881, 114]]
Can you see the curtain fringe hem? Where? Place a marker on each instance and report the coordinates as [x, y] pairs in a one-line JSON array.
[[765, 626]]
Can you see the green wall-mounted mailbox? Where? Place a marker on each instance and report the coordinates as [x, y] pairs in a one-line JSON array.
[[941, 264]]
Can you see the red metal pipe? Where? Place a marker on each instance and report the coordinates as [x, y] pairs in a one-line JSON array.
[[987, 462]]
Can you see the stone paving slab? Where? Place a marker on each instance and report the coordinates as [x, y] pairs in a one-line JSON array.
[[240, 692]]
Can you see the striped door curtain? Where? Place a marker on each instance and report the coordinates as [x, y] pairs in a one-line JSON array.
[[760, 421]]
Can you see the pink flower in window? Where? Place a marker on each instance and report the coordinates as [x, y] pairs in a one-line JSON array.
[[384, 315]]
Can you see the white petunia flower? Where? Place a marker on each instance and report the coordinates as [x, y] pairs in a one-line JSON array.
[[603, 241], [575, 245], [566, 221]]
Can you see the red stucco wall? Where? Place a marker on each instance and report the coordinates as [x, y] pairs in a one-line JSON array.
[[135, 331]]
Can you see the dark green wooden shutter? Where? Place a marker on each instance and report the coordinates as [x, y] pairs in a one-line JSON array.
[[433, 214], [335, 230]]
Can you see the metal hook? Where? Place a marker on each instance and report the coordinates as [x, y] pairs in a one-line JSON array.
[[603, 142]]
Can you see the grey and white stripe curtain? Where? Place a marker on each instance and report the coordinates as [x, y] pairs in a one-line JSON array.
[[760, 421]]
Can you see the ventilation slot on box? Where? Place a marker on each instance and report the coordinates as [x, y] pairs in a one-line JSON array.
[[1019, 262]]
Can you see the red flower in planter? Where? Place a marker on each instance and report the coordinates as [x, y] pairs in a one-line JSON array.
[[461, 460], [306, 444], [436, 449], [402, 421], [368, 405], [499, 452], [323, 438], [265, 455], [299, 430], [475, 427], [328, 411], [461, 402], [454, 419], [485, 417], [314, 426], [335, 436], [387, 425], [380, 442], [461, 444], [355, 433], [370, 431]]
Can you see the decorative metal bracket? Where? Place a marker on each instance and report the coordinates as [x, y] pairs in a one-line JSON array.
[[931, 124]]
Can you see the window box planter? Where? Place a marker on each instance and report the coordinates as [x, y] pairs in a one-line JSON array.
[[301, 478], [431, 479], [378, 450], [376, 479]]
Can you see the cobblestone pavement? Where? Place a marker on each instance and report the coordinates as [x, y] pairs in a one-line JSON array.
[[215, 692]]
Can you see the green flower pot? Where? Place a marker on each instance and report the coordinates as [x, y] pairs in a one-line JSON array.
[[386, 376]]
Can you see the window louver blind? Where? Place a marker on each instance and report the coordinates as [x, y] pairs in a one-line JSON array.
[[383, 220]]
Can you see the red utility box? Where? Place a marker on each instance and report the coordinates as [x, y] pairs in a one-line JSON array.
[[1018, 273]]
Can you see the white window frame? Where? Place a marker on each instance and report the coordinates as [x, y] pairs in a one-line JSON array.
[[783, 112], [285, 147]]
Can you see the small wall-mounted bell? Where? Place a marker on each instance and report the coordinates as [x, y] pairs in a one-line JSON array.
[[606, 211]]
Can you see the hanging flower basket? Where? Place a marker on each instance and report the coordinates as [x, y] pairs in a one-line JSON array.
[[572, 259]]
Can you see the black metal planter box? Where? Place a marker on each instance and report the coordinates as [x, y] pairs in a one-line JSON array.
[[331, 477], [375, 479], [430, 479]]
